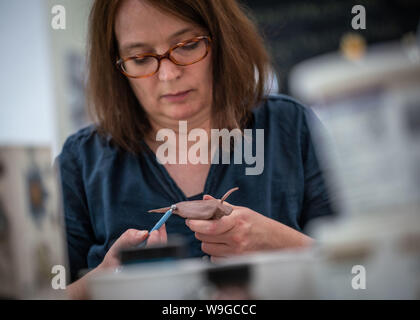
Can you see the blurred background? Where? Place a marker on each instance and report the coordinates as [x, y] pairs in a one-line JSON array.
[[298, 30], [363, 84]]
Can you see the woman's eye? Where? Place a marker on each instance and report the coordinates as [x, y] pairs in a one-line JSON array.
[[140, 61], [190, 46]]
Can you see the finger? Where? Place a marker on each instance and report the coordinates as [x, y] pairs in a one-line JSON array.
[[130, 238], [154, 238], [163, 235], [211, 238], [216, 249], [211, 227]]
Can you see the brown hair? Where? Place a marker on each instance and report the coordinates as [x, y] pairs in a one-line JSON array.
[[237, 53]]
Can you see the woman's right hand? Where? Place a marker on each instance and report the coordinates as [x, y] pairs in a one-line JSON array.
[[129, 239]]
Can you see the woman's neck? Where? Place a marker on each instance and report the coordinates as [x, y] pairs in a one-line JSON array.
[[180, 129]]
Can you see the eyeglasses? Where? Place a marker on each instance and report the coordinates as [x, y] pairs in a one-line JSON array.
[[182, 54]]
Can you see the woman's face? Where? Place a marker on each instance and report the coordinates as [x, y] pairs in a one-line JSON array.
[[138, 22]]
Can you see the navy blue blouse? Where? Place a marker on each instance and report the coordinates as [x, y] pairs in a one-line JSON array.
[[107, 190]]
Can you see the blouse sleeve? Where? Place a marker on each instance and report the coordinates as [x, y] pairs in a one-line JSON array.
[[317, 200], [79, 232]]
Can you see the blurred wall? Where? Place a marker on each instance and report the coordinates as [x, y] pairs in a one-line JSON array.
[[26, 89], [41, 83]]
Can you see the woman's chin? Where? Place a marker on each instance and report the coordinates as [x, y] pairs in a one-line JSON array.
[[180, 113]]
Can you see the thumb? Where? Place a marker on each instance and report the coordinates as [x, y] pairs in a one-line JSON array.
[[158, 236], [130, 238]]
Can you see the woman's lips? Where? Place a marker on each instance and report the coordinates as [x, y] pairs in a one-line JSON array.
[[176, 97]]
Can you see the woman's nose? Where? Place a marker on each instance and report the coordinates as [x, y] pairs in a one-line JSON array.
[[168, 70]]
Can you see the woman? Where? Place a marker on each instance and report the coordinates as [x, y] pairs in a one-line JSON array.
[[210, 74]]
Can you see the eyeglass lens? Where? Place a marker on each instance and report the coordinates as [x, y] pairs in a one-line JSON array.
[[186, 54]]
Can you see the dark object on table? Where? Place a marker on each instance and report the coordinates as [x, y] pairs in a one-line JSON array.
[[173, 250]]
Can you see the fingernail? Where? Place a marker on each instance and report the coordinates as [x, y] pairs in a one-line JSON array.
[[140, 234]]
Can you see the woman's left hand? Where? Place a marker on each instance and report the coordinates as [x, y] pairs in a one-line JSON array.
[[244, 231]]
